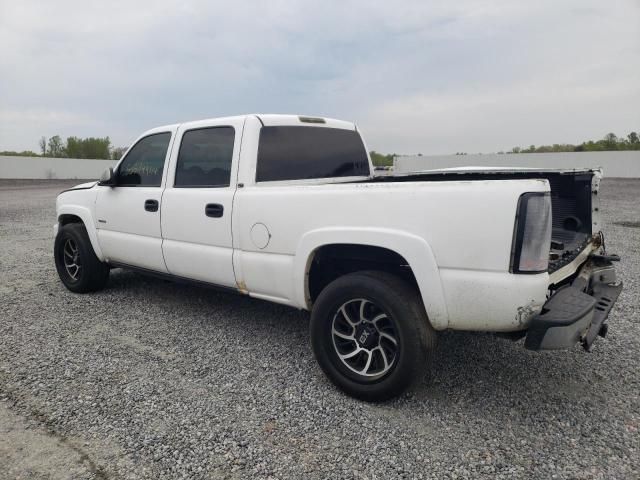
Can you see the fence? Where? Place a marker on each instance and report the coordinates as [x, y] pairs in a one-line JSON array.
[[52, 168]]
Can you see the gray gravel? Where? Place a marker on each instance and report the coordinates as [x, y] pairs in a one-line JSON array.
[[149, 379]]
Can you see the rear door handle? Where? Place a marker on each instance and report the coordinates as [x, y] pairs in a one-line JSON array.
[[151, 205], [214, 210]]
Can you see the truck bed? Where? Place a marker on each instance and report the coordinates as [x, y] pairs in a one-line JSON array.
[[571, 196]]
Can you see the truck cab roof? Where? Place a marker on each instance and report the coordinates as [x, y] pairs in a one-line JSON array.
[[267, 120]]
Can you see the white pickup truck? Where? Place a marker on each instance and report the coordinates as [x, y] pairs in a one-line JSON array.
[[286, 209]]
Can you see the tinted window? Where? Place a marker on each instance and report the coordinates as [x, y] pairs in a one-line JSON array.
[[296, 153], [144, 163], [205, 158]]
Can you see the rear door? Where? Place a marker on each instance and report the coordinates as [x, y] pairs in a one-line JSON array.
[[197, 203], [128, 214]]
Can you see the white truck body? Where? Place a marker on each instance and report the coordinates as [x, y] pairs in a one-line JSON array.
[[286, 209], [456, 236]]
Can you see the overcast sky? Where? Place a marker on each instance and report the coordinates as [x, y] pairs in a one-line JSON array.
[[416, 76]]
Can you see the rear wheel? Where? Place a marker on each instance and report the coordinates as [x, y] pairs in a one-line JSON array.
[[370, 334], [76, 262]]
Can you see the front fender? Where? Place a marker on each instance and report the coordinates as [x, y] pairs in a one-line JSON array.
[[415, 250], [85, 215]]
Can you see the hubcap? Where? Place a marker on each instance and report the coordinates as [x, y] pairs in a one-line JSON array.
[[71, 259], [364, 337]]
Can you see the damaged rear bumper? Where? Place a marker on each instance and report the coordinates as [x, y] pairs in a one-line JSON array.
[[577, 312]]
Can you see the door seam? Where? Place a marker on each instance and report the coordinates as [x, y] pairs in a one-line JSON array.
[[164, 187], [233, 202]]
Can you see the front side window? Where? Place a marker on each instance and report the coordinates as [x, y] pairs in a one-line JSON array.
[[143, 165], [299, 153], [205, 158]]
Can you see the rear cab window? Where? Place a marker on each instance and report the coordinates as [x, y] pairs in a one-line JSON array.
[[304, 153]]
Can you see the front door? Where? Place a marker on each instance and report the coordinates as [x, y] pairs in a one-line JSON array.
[[197, 203], [128, 214]]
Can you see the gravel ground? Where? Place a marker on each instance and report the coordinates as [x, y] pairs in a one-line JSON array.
[[149, 379]]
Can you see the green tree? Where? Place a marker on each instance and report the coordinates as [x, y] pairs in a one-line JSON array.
[[97, 147], [381, 160], [88, 147], [74, 147], [55, 147]]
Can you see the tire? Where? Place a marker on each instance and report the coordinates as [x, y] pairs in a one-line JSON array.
[[72, 245], [381, 368]]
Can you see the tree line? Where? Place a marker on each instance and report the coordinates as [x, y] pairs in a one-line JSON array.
[[74, 147], [609, 142], [380, 159], [101, 148]]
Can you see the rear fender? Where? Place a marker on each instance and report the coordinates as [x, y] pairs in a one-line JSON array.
[[415, 250]]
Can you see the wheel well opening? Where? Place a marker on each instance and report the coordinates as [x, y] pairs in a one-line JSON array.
[[68, 218], [332, 261]]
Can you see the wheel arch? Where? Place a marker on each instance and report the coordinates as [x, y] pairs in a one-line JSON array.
[[414, 250], [77, 214]]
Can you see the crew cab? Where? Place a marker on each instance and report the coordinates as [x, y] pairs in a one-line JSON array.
[[287, 209]]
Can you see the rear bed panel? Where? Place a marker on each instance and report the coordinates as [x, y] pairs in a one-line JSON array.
[[574, 204]]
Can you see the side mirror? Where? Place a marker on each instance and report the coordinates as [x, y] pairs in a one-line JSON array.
[[108, 178]]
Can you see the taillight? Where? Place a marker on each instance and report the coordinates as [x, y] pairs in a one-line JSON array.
[[532, 234]]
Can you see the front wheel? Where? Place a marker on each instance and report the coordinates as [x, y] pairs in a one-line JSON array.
[[370, 334], [76, 262]]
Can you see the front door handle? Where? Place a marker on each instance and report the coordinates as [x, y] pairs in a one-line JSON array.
[[214, 210], [151, 205]]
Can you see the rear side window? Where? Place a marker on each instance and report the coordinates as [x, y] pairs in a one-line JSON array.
[[205, 156], [299, 153], [143, 165]]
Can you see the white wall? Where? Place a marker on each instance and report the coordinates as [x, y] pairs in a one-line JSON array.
[[58, 168], [615, 164]]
